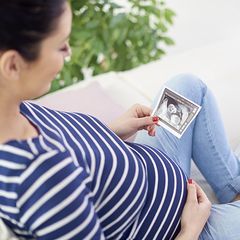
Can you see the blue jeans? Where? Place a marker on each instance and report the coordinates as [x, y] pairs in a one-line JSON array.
[[206, 143]]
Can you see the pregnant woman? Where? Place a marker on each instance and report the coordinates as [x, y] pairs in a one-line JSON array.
[[68, 176]]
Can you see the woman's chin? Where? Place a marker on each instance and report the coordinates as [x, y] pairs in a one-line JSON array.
[[42, 92], [47, 88]]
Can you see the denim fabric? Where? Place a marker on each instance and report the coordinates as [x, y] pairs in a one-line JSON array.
[[206, 143], [223, 223]]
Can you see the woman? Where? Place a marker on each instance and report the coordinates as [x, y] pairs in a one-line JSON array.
[[68, 176]]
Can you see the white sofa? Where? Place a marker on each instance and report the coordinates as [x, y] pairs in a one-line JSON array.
[[107, 95]]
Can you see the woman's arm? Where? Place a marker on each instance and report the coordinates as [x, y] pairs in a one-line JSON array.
[[195, 213], [54, 201], [135, 119]]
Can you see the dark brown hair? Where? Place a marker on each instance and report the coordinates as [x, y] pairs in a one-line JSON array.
[[25, 23]]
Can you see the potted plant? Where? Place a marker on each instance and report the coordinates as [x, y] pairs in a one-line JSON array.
[[107, 36]]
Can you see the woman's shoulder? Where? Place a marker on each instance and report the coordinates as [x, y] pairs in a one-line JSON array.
[[40, 180], [17, 156], [45, 117], [34, 110]]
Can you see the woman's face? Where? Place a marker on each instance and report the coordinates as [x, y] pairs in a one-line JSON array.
[[37, 76]]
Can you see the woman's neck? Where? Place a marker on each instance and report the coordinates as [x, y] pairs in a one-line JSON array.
[[13, 125]]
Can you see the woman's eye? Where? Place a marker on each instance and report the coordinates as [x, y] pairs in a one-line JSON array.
[[64, 49]]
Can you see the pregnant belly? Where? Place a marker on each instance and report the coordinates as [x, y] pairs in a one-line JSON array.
[[167, 190]]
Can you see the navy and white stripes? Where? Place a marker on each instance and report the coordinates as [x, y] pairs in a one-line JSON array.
[[78, 180]]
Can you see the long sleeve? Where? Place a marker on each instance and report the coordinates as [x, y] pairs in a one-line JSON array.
[[54, 202]]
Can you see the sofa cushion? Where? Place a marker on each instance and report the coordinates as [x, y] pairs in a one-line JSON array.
[[91, 99]]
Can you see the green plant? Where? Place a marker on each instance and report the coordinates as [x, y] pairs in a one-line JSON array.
[[107, 37]]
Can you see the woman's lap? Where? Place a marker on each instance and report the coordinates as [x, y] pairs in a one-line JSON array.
[[205, 142], [178, 150]]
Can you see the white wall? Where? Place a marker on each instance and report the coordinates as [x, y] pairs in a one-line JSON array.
[[202, 22]]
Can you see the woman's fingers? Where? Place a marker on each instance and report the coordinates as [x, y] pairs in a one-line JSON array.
[[196, 211], [201, 195], [192, 193], [145, 122], [151, 130], [142, 110], [197, 194]]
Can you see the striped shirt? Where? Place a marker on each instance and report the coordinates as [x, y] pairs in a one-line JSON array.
[[78, 180]]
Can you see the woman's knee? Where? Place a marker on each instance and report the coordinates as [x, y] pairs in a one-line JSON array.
[[188, 85], [186, 80]]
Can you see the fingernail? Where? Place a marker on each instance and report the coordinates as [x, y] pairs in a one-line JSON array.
[[190, 181], [155, 119]]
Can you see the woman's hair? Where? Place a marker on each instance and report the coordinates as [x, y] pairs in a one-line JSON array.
[[25, 23]]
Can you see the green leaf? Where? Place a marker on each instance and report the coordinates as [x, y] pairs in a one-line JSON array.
[[92, 24], [169, 14], [168, 40], [125, 39], [115, 5], [117, 20]]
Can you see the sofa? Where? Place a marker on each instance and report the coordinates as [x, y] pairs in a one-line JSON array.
[[108, 95]]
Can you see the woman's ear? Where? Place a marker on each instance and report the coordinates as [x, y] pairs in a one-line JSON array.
[[11, 64]]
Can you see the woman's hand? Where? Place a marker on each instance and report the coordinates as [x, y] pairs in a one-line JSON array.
[[195, 213], [136, 118]]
